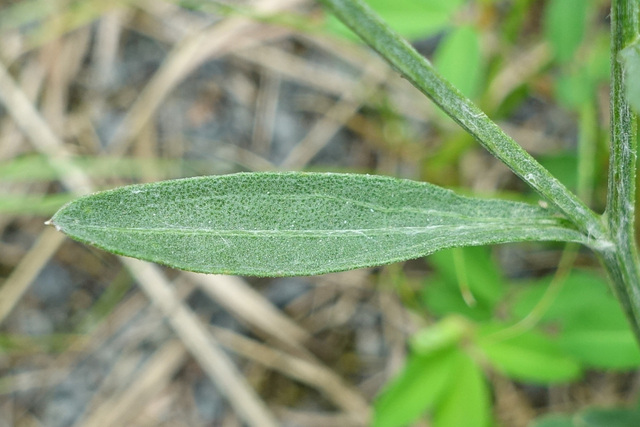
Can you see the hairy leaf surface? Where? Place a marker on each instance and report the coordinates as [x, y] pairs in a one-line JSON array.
[[284, 224]]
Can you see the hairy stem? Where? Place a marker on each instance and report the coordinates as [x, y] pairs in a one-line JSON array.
[[622, 263], [415, 68]]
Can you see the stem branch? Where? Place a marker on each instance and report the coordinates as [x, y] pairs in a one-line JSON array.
[[415, 68], [622, 264]]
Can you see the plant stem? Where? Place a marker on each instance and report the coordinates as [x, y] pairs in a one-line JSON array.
[[622, 263], [415, 68]]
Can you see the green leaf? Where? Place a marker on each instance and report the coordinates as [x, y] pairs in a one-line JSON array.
[[463, 270], [467, 402], [283, 224], [592, 418], [622, 417], [564, 25], [459, 60], [630, 58], [446, 333], [442, 298], [593, 328], [529, 356], [417, 388], [575, 89], [581, 290], [413, 19], [31, 204], [604, 349], [554, 420], [36, 168], [474, 266], [562, 165]]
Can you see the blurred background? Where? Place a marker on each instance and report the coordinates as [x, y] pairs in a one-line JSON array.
[[98, 94]]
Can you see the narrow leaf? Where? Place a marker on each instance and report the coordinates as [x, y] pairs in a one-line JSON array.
[[530, 356], [416, 390], [468, 402], [564, 23], [284, 224], [458, 59]]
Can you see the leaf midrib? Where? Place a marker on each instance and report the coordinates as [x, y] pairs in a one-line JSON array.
[[489, 225]]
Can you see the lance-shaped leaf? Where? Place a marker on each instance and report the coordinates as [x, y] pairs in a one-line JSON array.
[[284, 224]]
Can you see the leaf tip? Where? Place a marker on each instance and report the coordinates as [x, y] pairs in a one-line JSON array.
[[50, 222]]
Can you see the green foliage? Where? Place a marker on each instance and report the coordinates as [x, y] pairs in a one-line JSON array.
[[300, 223], [463, 273], [565, 22], [459, 60], [528, 356], [413, 19], [440, 379], [467, 400], [33, 205], [281, 224], [583, 328], [592, 417], [591, 326], [421, 385]]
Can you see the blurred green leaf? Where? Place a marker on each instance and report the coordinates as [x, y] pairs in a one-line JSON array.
[[605, 349], [564, 166], [529, 356], [473, 266], [30, 204], [554, 420], [467, 401], [416, 390], [480, 271], [459, 60], [593, 327], [564, 26], [413, 19], [442, 298], [630, 58], [281, 224], [35, 168], [445, 333], [622, 417], [580, 289], [592, 418], [576, 89]]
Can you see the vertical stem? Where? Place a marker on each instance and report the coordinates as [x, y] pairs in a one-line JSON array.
[[358, 16], [622, 263]]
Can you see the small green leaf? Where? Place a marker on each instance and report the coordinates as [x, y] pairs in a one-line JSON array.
[[283, 224], [413, 19], [592, 417], [554, 420], [459, 60], [467, 402], [593, 328], [529, 356], [475, 266], [32, 204], [463, 270], [564, 25], [603, 349], [446, 333], [581, 290], [416, 389], [630, 58]]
